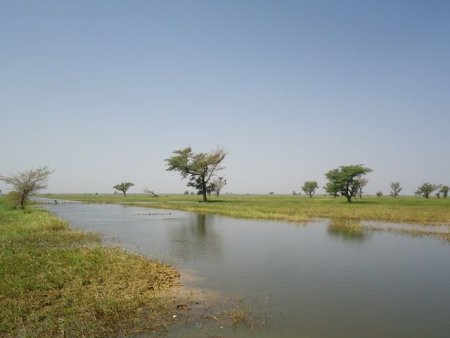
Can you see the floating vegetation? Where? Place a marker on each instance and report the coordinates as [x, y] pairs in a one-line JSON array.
[[347, 229]]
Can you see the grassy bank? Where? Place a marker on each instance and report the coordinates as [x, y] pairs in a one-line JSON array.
[[294, 208], [56, 281]]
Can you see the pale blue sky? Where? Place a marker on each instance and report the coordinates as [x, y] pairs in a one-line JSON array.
[[104, 91]]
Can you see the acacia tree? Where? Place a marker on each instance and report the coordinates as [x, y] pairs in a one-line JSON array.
[[200, 167], [345, 179], [395, 189], [309, 187], [27, 183], [426, 189], [217, 184], [123, 187]]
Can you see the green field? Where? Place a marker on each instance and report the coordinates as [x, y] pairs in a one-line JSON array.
[[292, 208], [56, 281]]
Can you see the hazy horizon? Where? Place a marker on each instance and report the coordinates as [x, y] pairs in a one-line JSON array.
[[102, 92]]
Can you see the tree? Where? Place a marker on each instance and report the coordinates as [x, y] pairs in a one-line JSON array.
[[200, 167], [379, 194], [426, 189], [217, 184], [345, 179], [444, 191], [27, 183], [309, 187], [395, 189], [123, 187], [362, 182], [332, 187], [196, 183]]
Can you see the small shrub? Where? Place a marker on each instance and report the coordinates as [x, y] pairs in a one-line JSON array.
[[13, 200]]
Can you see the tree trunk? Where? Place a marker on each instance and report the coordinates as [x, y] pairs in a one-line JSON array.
[[124, 193], [349, 198], [205, 199], [22, 201]]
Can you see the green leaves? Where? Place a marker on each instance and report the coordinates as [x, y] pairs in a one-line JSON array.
[[200, 167], [426, 189], [345, 180], [309, 187], [123, 187]]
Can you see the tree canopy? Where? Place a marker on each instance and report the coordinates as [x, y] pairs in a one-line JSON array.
[[123, 187], [332, 187], [345, 180], [426, 189], [27, 183], [309, 187], [200, 167]]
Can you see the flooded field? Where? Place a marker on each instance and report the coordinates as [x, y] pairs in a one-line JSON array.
[[297, 280]]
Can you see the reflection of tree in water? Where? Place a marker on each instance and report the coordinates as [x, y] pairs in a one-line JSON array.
[[196, 237], [347, 230]]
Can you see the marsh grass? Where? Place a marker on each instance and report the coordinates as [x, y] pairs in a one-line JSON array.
[[56, 281], [348, 229], [410, 230], [293, 208]]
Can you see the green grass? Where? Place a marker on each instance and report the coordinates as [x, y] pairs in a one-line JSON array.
[[56, 281], [293, 208]]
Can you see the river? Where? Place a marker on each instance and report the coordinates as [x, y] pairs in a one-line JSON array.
[[303, 279]]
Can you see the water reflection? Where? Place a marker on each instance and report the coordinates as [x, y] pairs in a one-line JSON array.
[[196, 237], [347, 230]]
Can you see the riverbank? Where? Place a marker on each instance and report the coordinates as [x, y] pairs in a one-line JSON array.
[[57, 281], [291, 208]]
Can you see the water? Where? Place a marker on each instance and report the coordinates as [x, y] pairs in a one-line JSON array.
[[317, 282]]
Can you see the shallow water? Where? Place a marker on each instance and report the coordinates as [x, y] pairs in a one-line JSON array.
[[305, 280]]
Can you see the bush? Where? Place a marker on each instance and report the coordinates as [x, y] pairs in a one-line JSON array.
[[13, 200]]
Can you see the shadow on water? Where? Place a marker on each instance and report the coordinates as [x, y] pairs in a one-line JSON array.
[[347, 230]]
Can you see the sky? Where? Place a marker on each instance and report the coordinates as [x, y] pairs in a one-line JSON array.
[[102, 92]]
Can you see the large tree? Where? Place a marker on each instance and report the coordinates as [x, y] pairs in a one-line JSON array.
[[27, 183], [123, 187], [426, 189], [345, 179], [200, 167], [309, 187]]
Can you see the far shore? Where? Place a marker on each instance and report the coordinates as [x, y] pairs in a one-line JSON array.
[[403, 209]]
